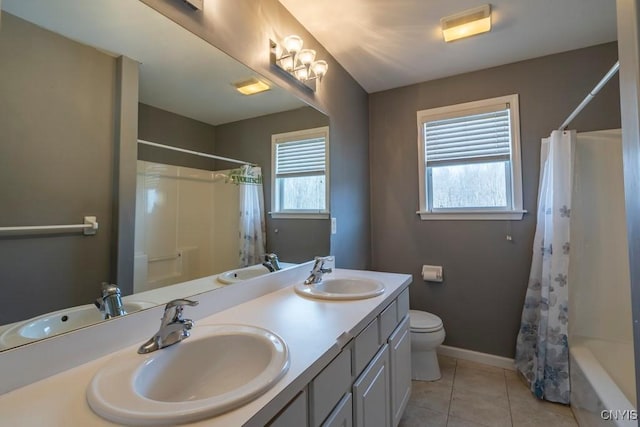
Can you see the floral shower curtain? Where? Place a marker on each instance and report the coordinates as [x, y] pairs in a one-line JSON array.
[[252, 224], [542, 349]]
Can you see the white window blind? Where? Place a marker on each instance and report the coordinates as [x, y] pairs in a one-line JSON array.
[[300, 158], [469, 160], [300, 178], [474, 138]]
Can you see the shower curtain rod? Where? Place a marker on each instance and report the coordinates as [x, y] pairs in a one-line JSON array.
[[195, 153], [591, 95]]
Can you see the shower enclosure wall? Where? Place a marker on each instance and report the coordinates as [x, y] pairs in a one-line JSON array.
[[187, 225], [600, 320]]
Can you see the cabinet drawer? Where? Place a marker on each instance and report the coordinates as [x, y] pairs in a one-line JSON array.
[[342, 415], [329, 386], [388, 321], [295, 413], [365, 346], [403, 304]]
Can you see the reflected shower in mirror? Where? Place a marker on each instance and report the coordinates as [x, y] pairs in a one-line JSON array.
[[60, 94]]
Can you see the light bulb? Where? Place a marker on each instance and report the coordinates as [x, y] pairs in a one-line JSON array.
[[306, 56], [287, 63], [320, 68], [302, 74], [293, 43]]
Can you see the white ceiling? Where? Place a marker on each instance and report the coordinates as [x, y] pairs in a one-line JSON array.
[[179, 72], [385, 44]]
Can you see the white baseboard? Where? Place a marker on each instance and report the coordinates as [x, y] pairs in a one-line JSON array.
[[476, 356]]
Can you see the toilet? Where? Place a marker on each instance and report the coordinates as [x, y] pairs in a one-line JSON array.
[[427, 333]]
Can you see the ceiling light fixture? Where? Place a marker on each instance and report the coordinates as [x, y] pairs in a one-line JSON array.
[[251, 86], [466, 24], [300, 63]]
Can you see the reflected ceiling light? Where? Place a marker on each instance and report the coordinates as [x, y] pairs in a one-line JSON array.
[[251, 86], [466, 24], [298, 62]]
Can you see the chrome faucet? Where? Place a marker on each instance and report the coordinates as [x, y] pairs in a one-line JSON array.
[[173, 327], [110, 303], [271, 262], [318, 270]]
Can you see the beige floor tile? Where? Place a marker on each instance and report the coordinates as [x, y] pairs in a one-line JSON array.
[[466, 364], [415, 416], [434, 395], [445, 361], [482, 382], [519, 391], [448, 375], [459, 422], [480, 408], [473, 395], [509, 374], [517, 388], [533, 413], [463, 394]]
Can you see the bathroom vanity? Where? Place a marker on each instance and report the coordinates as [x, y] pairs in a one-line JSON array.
[[349, 361]]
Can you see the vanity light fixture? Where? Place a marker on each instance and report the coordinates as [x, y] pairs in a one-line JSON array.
[[300, 63], [251, 86], [195, 4], [466, 24]]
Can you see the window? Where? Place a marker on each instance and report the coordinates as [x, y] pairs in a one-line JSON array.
[[300, 174], [470, 160]]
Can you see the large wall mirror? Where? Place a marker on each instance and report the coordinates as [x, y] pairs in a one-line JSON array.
[[58, 118]]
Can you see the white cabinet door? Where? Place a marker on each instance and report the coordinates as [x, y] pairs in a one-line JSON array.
[[400, 356], [342, 415], [371, 393]]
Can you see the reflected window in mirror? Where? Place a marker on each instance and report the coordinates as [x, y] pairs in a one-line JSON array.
[[300, 182]]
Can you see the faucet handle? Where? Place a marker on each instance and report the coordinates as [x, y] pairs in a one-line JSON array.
[[173, 310], [109, 289], [179, 303], [319, 263]]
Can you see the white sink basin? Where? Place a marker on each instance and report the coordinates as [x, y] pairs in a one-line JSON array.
[[59, 322], [215, 370], [240, 274], [348, 288]]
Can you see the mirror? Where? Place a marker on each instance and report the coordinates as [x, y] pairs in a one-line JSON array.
[[58, 114]]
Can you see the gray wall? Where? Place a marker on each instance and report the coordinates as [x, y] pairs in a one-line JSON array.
[[294, 240], [56, 156], [242, 28], [486, 276], [163, 127]]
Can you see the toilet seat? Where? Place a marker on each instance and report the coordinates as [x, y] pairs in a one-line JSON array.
[[421, 321]]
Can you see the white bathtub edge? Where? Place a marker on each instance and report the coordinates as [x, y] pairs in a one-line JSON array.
[[593, 391]]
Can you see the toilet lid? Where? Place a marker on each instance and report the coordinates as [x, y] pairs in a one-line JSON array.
[[422, 321]]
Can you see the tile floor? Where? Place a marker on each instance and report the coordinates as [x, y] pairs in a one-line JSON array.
[[472, 395]]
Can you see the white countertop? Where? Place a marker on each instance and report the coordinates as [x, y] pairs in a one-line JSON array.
[[314, 331]]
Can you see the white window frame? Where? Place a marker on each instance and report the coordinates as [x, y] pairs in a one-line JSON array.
[[513, 212], [320, 132]]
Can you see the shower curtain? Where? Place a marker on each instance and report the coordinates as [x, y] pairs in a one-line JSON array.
[[252, 224], [542, 349]]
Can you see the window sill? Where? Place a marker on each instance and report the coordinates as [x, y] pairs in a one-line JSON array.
[[299, 215], [514, 215]]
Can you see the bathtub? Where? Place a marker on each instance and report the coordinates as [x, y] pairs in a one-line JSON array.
[[593, 391]]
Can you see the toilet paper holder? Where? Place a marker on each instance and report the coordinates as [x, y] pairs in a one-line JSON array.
[[432, 273]]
